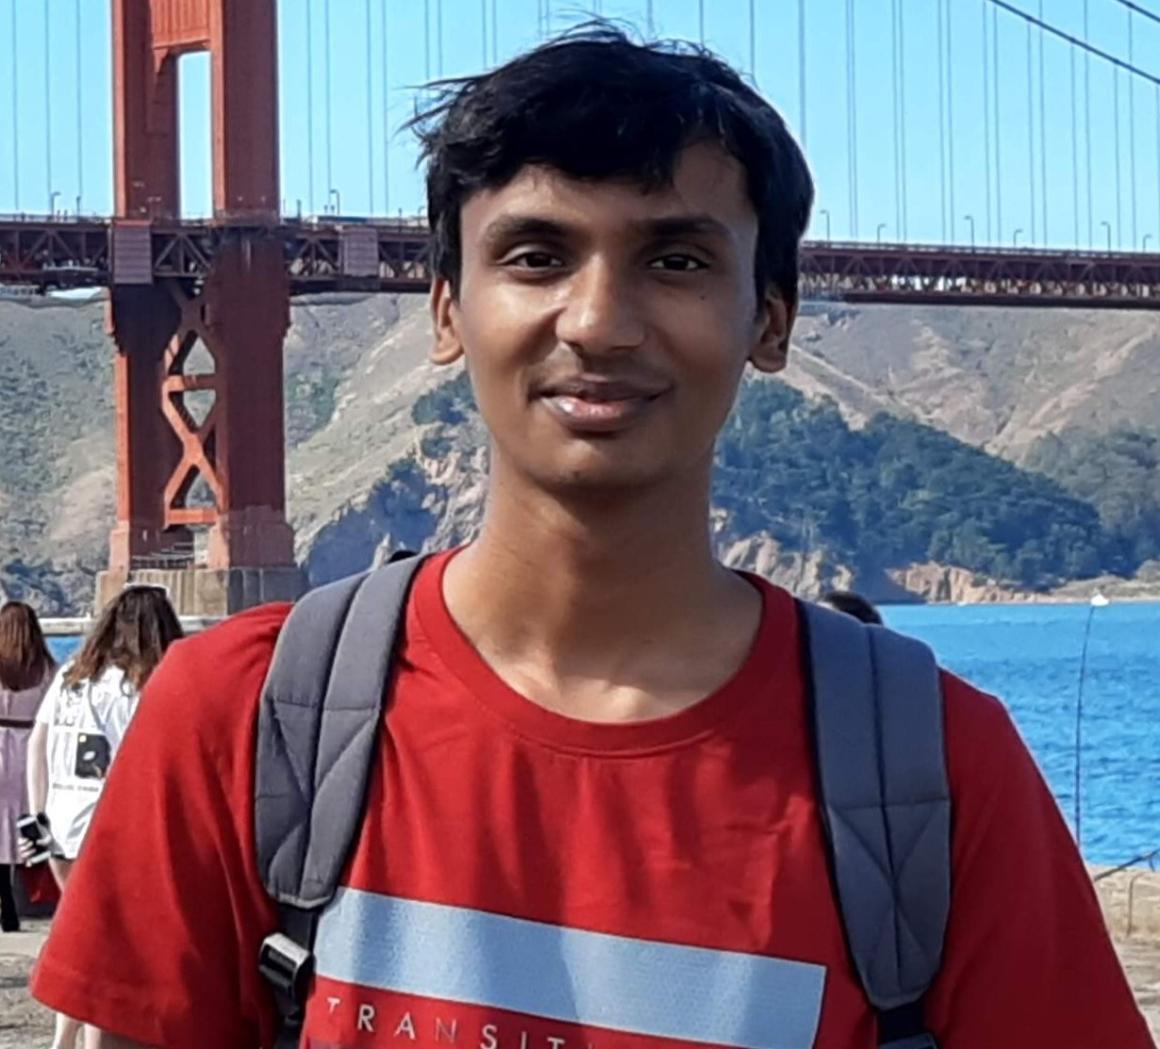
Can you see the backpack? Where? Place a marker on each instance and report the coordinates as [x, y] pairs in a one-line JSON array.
[[879, 761]]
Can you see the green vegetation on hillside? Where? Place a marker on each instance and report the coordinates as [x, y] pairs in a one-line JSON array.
[[898, 492], [1118, 473]]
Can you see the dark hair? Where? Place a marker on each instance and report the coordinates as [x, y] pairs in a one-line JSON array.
[[25, 660], [132, 633], [593, 104], [853, 605]]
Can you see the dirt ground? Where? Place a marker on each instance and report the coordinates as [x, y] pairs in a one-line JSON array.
[[1131, 901]]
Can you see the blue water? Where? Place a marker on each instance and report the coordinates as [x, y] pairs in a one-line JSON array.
[[1029, 656]]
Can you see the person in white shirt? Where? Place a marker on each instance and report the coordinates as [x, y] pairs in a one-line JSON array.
[[82, 720]]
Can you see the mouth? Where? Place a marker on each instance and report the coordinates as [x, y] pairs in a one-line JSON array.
[[590, 407]]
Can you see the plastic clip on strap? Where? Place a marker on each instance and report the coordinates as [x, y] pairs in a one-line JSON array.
[[289, 967], [902, 1028]]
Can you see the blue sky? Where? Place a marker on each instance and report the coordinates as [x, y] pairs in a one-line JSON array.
[[33, 164]]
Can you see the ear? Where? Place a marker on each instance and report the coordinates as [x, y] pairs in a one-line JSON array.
[[775, 319], [448, 346]]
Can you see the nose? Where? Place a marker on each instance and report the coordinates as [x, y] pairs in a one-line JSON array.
[[602, 312]]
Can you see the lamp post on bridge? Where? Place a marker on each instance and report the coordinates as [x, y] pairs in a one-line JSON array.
[[1015, 237], [1144, 245], [971, 220], [826, 213], [878, 235], [1108, 227], [52, 202], [337, 200]]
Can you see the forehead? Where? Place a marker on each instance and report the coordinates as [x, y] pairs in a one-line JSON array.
[[706, 181]]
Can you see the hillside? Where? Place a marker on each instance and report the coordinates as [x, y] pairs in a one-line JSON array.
[[361, 472]]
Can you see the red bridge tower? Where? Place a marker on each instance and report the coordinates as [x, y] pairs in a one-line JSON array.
[[200, 494]]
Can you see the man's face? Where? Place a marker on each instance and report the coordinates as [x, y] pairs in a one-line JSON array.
[[606, 329]]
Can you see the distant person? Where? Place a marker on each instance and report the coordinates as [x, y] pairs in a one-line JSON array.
[[26, 669], [853, 605], [81, 722], [591, 814]]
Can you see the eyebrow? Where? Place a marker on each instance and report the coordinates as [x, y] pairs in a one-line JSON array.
[[670, 227]]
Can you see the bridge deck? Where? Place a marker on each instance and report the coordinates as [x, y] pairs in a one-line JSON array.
[[391, 257]]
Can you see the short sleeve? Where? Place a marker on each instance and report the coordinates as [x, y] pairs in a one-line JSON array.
[[1027, 959], [157, 937]]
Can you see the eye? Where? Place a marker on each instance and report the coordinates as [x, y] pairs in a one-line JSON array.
[[534, 260], [678, 262]]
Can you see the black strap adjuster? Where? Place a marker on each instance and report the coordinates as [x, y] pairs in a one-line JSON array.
[[287, 966], [917, 1041]]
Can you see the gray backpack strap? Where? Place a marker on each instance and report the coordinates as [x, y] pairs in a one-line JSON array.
[[317, 737], [881, 767]]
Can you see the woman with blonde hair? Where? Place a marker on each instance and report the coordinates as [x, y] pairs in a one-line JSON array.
[[26, 669], [82, 721]]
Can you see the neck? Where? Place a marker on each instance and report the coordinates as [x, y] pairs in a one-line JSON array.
[[602, 577]]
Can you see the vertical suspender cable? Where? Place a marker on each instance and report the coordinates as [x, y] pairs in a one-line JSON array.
[[1074, 154], [902, 110], [1116, 147], [439, 35], [753, 40], [1087, 124], [80, 121], [310, 108], [329, 118], [950, 119], [987, 117], [494, 34], [483, 29], [47, 110], [894, 104], [852, 116], [998, 128], [942, 122], [15, 116], [427, 41], [649, 22], [1158, 163], [1132, 125], [701, 21], [1031, 132], [1042, 132], [801, 63], [370, 115], [386, 114]]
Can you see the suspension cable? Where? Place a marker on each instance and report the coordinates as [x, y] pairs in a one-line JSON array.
[[1116, 144], [1031, 134], [942, 123], [80, 123], [1042, 133], [310, 108], [801, 63], [1074, 151], [370, 116], [386, 116], [902, 112], [483, 29], [950, 119], [987, 115], [1087, 127], [48, 110], [894, 102], [998, 130], [495, 33], [753, 40], [439, 35], [15, 115], [427, 41], [329, 113], [1132, 126], [852, 116], [1139, 10]]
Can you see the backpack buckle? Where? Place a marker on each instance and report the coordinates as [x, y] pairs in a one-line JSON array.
[[287, 966], [917, 1041]]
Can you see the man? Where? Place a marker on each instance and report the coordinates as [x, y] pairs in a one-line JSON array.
[[594, 776]]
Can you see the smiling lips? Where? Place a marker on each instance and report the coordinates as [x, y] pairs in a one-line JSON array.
[[587, 406]]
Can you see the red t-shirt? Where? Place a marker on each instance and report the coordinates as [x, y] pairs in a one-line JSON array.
[[528, 881]]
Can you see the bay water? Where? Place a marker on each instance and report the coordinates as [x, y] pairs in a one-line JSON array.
[[1030, 657]]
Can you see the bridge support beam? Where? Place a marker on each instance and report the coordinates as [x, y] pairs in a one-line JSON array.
[[200, 454]]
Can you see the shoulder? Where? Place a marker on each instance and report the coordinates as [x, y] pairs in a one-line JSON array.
[[209, 684]]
